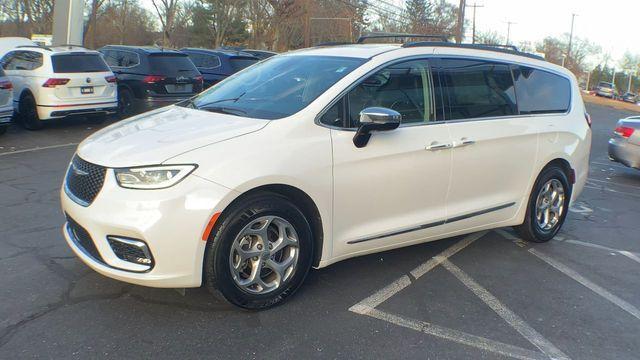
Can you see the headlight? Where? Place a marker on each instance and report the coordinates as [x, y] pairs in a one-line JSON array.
[[152, 177]]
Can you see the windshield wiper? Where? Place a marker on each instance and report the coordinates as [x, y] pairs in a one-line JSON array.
[[234, 99], [224, 110]]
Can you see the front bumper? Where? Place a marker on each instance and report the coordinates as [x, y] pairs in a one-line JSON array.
[[624, 152], [170, 221], [60, 111]]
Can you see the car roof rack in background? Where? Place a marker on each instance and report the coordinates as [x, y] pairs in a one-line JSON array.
[[34, 47], [334, 43], [506, 49], [361, 39]]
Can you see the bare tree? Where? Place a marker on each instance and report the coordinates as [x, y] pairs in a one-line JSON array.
[[166, 10]]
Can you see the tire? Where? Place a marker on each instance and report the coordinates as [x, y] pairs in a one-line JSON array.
[[261, 211], [532, 229], [29, 113], [125, 103], [3, 129]]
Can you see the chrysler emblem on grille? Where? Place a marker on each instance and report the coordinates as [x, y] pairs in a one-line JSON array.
[[78, 171]]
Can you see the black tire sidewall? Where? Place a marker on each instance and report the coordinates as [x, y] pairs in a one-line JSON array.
[[217, 271], [125, 110], [29, 113], [538, 234]]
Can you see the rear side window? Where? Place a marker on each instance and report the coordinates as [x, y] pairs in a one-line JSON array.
[[541, 92], [239, 63], [204, 61], [477, 89], [171, 65], [117, 58], [22, 60], [78, 63]]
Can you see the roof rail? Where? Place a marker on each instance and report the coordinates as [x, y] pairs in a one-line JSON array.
[[361, 39], [506, 49], [34, 47], [70, 45], [333, 43]]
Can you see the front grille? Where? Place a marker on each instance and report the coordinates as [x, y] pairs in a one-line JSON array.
[[82, 238], [84, 181]]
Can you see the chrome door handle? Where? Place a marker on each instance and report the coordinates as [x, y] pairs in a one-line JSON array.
[[435, 146], [464, 142]]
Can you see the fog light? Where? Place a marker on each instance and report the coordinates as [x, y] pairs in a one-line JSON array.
[[131, 250]]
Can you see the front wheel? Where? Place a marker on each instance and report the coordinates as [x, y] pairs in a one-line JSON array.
[[547, 207], [260, 253]]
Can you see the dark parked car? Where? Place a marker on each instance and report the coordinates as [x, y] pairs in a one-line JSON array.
[[260, 54], [150, 77], [216, 65], [630, 97]]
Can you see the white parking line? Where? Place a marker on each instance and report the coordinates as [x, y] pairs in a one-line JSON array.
[[38, 149], [587, 283], [600, 187], [368, 306], [626, 253], [458, 336], [615, 183], [505, 313]]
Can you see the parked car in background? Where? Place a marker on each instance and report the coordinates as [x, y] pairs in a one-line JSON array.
[[6, 101], [316, 156], [624, 146], [56, 82], [151, 77], [260, 54], [216, 65], [10, 43], [606, 89], [630, 97]]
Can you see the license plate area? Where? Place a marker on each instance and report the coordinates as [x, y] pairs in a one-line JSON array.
[[86, 90], [179, 88]]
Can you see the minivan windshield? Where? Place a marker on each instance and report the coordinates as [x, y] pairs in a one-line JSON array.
[[277, 87]]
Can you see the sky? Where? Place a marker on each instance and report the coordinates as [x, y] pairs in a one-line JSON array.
[[612, 24]]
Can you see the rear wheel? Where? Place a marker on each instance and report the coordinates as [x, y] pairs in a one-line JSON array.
[[547, 207], [125, 103], [3, 129], [260, 253], [29, 113]]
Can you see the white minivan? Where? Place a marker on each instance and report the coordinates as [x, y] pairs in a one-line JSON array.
[[323, 154]]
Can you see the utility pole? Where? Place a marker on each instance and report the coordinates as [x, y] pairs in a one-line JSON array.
[[460, 21], [509, 23], [573, 17], [474, 6], [307, 23]]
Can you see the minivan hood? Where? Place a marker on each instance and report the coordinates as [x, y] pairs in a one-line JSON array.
[[153, 137]]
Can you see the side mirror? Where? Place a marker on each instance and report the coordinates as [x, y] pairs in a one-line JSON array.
[[375, 119]]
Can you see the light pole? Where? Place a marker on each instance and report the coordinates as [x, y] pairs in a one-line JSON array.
[[474, 6], [573, 17], [460, 34]]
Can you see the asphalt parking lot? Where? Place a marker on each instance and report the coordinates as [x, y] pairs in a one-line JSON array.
[[485, 295]]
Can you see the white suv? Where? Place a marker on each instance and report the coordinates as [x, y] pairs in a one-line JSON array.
[[59, 81], [320, 155]]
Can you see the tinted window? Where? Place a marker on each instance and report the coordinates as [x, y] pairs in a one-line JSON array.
[[606, 85], [277, 87], [478, 89], [204, 61], [172, 65], [404, 87], [540, 92], [334, 115], [118, 58], [78, 63], [238, 63], [22, 60]]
